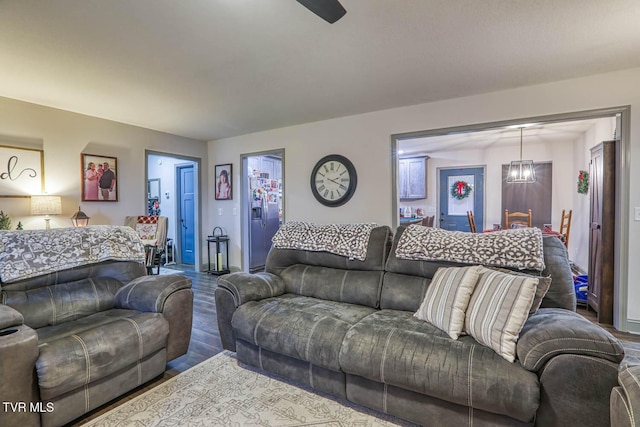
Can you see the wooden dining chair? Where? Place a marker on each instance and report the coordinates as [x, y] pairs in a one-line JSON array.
[[428, 221], [520, 218], [472, 222], [565, 226]]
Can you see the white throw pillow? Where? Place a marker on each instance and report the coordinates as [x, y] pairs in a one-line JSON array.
[[498, 309], [447, 298]]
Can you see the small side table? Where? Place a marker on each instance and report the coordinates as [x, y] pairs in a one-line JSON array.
[[219, 241]]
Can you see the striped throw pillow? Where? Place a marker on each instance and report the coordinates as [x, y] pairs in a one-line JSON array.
[[447, 297], [498, 309]]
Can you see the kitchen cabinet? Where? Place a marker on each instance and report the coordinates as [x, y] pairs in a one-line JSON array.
[[602, 189], [412, 178]]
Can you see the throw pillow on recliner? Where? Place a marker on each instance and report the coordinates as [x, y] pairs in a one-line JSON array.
[[498, 309], [447, 297]]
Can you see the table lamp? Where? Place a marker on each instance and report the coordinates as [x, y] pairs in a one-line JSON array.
[[80, 219], [46, 205]]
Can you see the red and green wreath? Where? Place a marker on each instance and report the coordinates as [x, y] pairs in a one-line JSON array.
[[583, 182], [460, 190]]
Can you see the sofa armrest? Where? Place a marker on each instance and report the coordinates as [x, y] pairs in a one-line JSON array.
[[149, 293], [18, 354], [9, 317], [236, 289], [555, 331], [246, 287], [625, 398], [170, 295]]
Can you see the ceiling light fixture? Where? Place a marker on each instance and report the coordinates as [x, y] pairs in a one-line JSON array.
[[521, 171]]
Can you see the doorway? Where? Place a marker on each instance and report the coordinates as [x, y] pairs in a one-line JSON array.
[[565, 175], [461, 191], [173, 191], [262, 201]]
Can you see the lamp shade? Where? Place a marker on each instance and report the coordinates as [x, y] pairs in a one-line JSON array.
[[80, 219], [46, 205]]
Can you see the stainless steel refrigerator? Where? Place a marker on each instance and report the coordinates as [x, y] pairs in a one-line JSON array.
[[264, 222]]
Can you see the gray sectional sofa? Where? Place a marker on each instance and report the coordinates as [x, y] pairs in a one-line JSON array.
[[72, 339], [346, 327]]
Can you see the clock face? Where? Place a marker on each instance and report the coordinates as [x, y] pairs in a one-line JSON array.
[[333, 180]]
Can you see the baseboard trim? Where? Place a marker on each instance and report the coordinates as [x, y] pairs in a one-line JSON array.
[[633, 326]]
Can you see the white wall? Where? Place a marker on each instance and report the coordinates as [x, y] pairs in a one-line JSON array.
[[64, 135], [365, 139]]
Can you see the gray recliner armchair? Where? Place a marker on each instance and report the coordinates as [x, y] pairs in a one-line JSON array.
[[83, 324]]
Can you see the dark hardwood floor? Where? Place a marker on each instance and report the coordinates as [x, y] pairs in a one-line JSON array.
[[205, 338]]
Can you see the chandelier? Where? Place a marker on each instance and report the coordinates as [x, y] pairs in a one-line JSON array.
[[521, 171]]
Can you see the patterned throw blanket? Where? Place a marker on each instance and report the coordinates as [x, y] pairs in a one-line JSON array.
[[515, 248], [349, 240], [25, 254]]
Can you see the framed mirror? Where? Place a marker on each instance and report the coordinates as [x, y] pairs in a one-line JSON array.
[[153, 188]]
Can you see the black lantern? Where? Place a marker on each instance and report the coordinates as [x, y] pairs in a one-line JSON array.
[[80, 219]]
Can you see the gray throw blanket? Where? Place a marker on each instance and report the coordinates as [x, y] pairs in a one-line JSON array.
[[349, 240], [31, 253], [519, 248]]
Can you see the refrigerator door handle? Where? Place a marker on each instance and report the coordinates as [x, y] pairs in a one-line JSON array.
[[264, 212]]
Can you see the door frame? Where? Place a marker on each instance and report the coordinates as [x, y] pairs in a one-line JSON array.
[[621, 264], [197, 164], [244, 200]]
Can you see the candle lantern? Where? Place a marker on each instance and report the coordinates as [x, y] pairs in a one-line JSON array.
[[221, 256]]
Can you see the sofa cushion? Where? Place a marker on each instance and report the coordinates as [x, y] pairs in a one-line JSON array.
[[395, 348], [447, 298], [305, 328], [82, 356], [351, 286], [59, 303], [498, 308]]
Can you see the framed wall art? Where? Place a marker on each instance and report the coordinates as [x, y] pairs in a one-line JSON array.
[[223, 182], [21, 171], [99, 178]]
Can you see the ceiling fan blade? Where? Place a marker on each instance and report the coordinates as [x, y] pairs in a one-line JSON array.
[[329, 10]]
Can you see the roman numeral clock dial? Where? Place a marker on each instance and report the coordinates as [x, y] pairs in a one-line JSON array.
[[333, 180]]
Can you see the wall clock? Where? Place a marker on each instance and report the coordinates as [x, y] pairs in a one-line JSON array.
[[333, 180]]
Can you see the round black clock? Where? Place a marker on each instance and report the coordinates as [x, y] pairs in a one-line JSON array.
[[333, 180]]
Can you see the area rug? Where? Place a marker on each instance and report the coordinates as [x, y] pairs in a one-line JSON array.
[[218, 392]]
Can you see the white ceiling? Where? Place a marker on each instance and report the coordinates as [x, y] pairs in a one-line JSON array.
[[532, 134], [209, 69]]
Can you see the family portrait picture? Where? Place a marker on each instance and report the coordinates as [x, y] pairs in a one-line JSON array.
[[223, 182], [99, 178]]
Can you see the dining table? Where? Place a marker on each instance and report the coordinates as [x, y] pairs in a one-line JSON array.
[[409, 221]]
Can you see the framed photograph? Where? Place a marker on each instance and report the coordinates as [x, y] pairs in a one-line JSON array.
[[99, 178], [223, 182], [21, 171]]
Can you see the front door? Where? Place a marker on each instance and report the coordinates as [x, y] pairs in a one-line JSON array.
[[187, 214], [461, 190]]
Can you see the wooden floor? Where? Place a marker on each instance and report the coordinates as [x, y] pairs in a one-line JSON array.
[[205, 338]]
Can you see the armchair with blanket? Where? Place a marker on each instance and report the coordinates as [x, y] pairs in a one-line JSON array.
[[81, 323]]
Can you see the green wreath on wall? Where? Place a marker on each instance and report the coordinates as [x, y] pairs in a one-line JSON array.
[[583, 182], [460, 190]]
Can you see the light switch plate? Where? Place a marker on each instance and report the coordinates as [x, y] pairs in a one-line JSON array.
[[220, 211], [636, 214]]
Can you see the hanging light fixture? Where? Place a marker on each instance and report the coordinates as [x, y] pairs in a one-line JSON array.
[[80, 219], [521, 171]]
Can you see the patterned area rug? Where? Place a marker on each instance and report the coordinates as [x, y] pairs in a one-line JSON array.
[[218, 392]]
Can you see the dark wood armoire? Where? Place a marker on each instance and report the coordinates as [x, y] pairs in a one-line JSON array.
[[602, 188]]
